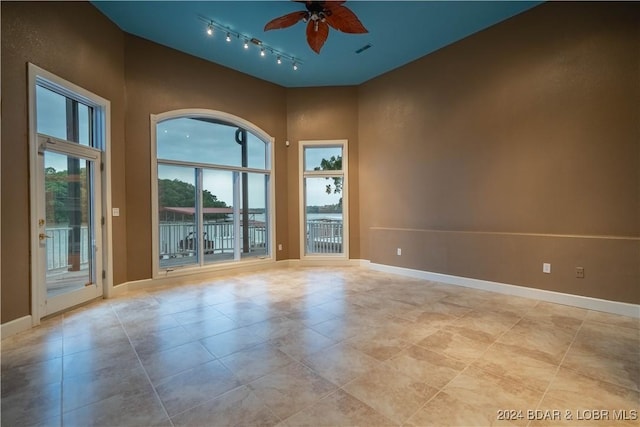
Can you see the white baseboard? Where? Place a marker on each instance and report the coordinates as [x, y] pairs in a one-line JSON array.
[[614, 307], [323, 262], [15, 326]]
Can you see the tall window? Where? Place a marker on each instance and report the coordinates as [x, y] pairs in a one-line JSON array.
[[324, 201], [212, 190]]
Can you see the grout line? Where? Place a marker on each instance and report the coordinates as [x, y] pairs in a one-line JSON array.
[[555, 375], [155, 392]]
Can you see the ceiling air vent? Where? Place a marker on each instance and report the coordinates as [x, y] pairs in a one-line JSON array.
[[363, 48]]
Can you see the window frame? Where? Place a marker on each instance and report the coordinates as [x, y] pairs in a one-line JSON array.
[[157, 270], [344, 173]]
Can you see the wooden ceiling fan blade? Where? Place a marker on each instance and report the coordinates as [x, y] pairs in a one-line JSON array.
[[317, 33], [285, 21], [343, 19]]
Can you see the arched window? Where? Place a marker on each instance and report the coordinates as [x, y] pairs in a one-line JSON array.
[[212, 190]]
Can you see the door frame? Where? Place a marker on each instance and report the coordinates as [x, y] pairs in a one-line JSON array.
[[37, 75]]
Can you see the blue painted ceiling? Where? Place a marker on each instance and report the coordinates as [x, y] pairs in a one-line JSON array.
[[399, 32]]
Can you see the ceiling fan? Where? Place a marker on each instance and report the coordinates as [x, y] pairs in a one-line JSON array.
[[318, 17]]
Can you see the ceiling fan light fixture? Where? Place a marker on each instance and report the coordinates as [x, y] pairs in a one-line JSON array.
[[210, 29], [295, 66], [228, 38], [246, 44], [278, 60], [262, 53]]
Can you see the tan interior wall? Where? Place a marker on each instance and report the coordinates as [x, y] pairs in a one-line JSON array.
[[516, 146], [76, 42], [322, 113], [160, 79]]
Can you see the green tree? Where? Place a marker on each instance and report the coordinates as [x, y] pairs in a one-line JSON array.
[[332, 164], [56, 185], [179, 194], [176, 193]]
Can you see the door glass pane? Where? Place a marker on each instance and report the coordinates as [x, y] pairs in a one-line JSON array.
[[217, 201], [69, 229], [63, 117], [323, 215], [177, 213], [322, 158], [253, 218]]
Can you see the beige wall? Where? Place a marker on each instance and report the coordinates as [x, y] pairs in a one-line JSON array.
[[77, 43], [516, 146], [322, 113], [160, 79]]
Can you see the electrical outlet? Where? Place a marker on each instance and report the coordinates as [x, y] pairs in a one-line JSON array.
[[580, 272], [399, 251], [279, 246], [546, 268]]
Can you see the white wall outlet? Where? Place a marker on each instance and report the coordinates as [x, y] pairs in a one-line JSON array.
[[399, 251], [115, 211], [279, 246], [546, 267]]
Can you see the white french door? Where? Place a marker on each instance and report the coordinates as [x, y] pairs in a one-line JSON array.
[[69, 224], [68, 127]]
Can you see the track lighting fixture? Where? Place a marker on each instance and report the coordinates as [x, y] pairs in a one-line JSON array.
[[211, 26]]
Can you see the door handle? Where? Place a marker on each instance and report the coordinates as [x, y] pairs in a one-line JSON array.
[[43, 236]]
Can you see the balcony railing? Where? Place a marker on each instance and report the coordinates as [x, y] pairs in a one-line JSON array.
[[177, 240]]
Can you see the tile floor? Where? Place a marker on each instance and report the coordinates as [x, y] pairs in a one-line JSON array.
[[316, 346]]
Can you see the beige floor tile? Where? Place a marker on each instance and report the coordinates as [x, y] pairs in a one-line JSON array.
[[310, 316], [613, 319], [174, 360], [197, 314], [195, 386], [139, 408], [157, 341], [605, 367], [339, 409], [275, 327], [297, 334], [31, 405], [539, 340], [492, 393], [434, 369], [291, 389], [238, 407], [209, 327], [254, 362], [446, 411], [379, 343], [393, 394], [581, 396], [119, 354], [302, 343], [108, 336], [22, 353], [557, 316], [465, 349], [340, 363], [340, 329], [612, 341], [94, 386], [515, 365], [483, 325], [230, 342], [36, 374]]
